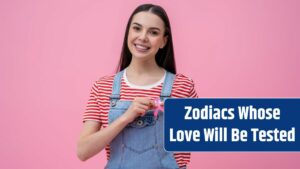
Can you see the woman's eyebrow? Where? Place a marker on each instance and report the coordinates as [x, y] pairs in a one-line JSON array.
[[137, 23], [142, 26]]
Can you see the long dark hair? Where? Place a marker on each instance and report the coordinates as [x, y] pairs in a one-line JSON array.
[[165, 56]]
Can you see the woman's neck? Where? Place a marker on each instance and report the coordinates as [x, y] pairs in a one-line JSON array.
[[144, 72], [144, 67]]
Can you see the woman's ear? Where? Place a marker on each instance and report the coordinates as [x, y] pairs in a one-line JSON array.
[[165, 40]]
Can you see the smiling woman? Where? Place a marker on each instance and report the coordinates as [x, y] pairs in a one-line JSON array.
[[143, 39], [122, 114]]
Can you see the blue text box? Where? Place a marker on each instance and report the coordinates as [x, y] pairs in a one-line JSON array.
[[219, 124]]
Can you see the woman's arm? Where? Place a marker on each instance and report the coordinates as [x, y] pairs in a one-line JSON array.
[[92, 140]]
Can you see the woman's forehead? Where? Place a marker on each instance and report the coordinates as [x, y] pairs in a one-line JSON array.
[[148, 19]]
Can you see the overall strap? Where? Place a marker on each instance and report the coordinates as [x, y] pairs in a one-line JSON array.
[[115, 96], [167, 86]]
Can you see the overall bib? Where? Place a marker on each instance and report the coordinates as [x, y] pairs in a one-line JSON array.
[[140, 144]]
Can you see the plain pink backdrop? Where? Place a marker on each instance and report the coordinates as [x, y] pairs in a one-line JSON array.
[[52, 51]]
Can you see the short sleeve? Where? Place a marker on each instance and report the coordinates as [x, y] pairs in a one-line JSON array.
[[192, 92], [92, 111]]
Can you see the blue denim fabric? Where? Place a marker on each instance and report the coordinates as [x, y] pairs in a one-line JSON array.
[[140, 144]]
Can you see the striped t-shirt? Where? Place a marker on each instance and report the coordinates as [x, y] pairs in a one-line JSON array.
[[98, 104]]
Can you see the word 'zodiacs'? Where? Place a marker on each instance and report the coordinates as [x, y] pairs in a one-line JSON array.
[[208, 112]]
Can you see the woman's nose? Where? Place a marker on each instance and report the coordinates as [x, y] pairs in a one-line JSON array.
[[143, 36]]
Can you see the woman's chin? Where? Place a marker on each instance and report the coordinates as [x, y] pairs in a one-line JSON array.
[[140, 55]]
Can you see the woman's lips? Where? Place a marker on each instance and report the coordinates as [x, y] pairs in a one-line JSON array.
[[141, 48]]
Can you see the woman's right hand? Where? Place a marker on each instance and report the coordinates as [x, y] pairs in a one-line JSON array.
[[138, 107], [92, 140]]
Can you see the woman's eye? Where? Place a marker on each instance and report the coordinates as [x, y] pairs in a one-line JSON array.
[[153, 32], [136, 28]]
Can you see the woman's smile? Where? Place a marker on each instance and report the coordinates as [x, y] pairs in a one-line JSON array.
[[141, 48]]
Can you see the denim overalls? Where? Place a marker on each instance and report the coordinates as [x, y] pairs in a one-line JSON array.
[[140, 144]]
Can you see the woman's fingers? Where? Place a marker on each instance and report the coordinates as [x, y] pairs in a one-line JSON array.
[[145, 101], [144, 107], [141, 112], [142, 104], [162, 103]]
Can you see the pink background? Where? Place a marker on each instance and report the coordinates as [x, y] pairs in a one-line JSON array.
[[52, 51]]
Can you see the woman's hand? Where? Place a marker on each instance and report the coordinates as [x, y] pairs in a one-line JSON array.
[[138, 107]]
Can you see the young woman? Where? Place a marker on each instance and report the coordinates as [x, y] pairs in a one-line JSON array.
[[120, 112]]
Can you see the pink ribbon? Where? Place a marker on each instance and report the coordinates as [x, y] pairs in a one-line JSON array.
[[158, 107]]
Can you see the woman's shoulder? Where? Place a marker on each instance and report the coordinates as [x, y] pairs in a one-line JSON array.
[[104, 81], [184, 86], [106, 78], [181, 78]]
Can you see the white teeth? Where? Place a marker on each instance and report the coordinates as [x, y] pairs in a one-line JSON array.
[[141, 47]]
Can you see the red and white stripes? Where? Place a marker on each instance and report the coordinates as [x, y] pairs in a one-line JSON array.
[[98, 104]]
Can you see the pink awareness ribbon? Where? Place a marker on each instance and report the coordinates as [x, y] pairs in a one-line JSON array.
[[158, 107]]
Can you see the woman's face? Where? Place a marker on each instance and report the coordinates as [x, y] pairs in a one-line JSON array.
[[146, 35]]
